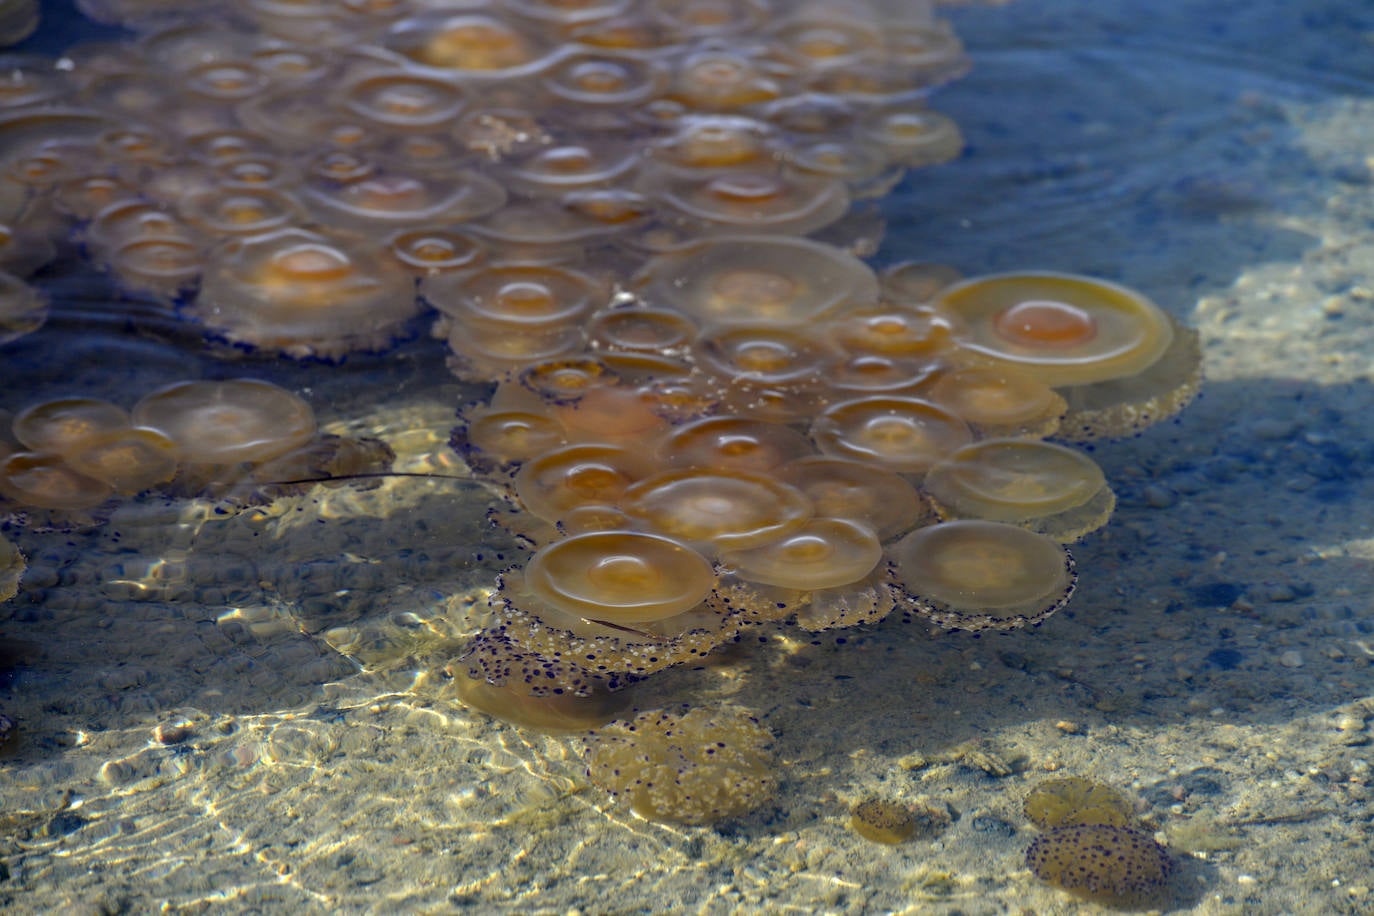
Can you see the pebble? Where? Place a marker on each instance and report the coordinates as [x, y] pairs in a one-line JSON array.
[[1291, 659]]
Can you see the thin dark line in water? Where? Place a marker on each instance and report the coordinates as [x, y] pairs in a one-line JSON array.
[[366, 476]]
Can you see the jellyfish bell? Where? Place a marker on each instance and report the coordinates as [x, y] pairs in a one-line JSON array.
[[577, 475], [60, 426], [756, 279], [772, 199], [619, 577], [391, 200], [469, 46], [46, 481], [738, 443], [974, 575], [723, 509], [303, 294], [845, 489], [822, 553], [1052, 489], [997, 401], [401, 100], [130, 460], [23, 309], [901, 434], [1062, 329], [604, 79], [218, 423]]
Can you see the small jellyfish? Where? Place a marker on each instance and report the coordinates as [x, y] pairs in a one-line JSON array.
[[973, 575], [737, 443], [757, 279], [470, 46], [62, 425], [881, 820], [577, 475], [641, 330], [729, 509], [821, 553], [46, 481], [604, 79], [764, 199], [685, 766], [239, 420], [129, 460], [304, 294], [998, 401], [619, 577], [495, 676], [906, 435], [840, 488], [1052, 489]]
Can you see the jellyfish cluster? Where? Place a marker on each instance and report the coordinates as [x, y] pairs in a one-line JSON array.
[[66, 462], [638, 228]]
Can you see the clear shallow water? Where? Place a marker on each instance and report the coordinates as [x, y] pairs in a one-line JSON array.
[[1163, 151]]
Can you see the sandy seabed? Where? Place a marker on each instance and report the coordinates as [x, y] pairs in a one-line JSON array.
[[246, 715]]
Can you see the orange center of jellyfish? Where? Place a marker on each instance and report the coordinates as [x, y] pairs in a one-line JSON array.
[[524, 297], [311, 263], [1045, 323], [621, 576]]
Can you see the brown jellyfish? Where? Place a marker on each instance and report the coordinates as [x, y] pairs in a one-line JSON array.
[[822, 553], [685, 766], [757, 279], [618, 579], [303, 294], [728, 509], [492, 440], [398, 99], [497, 677], [738, 443], [515, 298], [392, 199], [1055, 490], [473, 46], [913, 136], [61, 425], [130, 460], [881, 820], [899, 434], [997, 401], [577, 475], [1061, 329], [774, 200], [1072, 801], [430, 251], [663, 332], [975, 575], [556, 171], [216, 423], [841, 488]]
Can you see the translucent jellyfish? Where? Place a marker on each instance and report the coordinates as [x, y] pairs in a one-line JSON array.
[[399, 99], [515, 298], [702, 144], [783, 361], [822, 553], [912, 136], [304, 294], [577, 475], [129, 460], [840, 488], [1072, 801], [62, 425], [470, 46], [240, 420], [688, 766], [725, 508], [45, 481], [911, 283], [494, 675], [564, 13], [490, 440], [1052, 489], [240, 211], [722, 79], [906, 435], [773, 200], [619, 578], [998, 401], [18, 20], [974, 575], [1059, 328], [734, 443], [431, 251], [641, 330], [604, 79], [757, 279], [892, 331], [391, 200], [23, 309], [559, 170]]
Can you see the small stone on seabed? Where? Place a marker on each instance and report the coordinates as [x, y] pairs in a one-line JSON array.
[[1291, 659]]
